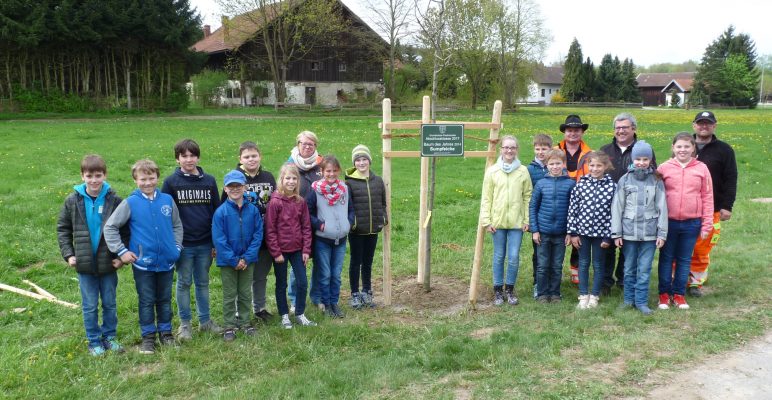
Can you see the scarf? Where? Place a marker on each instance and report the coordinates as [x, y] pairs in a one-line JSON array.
[[640, 173], [507, 168], [304, 164], [332, 191]]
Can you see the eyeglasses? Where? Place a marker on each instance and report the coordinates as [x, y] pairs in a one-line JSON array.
[[704, 122], [509, 147], [307, 144], [622, 128]]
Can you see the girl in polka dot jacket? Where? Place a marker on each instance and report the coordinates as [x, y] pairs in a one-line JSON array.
[[589, 224]]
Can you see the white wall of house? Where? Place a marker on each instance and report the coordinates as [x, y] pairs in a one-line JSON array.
[[682, 98], [541, 92], [326, 92]]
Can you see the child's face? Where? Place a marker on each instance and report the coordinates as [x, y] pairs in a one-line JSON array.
[[93, 181], [330, 173], [362, 164], [642, 162], [540, 151], [683, 150], [555, 166], [235, 191], [188, 162], [290, 182], [597, 168], [146, 182], [508, 151], [250, 159]]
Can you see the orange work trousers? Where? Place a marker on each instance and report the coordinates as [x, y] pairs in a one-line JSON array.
[[698, 272]]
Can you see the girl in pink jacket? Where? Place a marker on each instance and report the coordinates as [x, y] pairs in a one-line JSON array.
[[689, 194]]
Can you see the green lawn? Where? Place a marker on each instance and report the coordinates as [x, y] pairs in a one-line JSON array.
[[426, 347]]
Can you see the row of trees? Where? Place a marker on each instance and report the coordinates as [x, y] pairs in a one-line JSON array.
[[128, 53], [611, 81]]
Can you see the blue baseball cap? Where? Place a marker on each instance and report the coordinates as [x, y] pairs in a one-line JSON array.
[[234, 177]]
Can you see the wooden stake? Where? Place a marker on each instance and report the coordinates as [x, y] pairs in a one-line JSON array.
[[35, 295], [386, 175], [39, 289], [478, 246], [424, 190]]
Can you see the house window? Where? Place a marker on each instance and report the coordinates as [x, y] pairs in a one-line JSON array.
[[316, 66], [550, 91], [542, 92], [342, 67]]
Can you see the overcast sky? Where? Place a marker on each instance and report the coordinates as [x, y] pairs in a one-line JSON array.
[[649, 32]]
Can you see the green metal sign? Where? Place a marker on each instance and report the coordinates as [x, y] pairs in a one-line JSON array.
[[442, 140]]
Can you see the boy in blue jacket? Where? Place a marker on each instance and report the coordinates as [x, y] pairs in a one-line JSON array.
[[237, 230], [548, 214], [155, 244]]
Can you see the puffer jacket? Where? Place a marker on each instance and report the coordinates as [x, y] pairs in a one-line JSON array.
[[537, 171], [689, 191], [549, 204], [368, 195], [287, 225], [589, 212], [75, 238], [237, 233], [505, 198], [639, 208], [621, 160]]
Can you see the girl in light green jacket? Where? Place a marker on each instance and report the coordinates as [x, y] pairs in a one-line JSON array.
[[504, 213]]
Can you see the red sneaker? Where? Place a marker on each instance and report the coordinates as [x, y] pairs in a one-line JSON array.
[[680, 301], [664, 301], [575, 274]]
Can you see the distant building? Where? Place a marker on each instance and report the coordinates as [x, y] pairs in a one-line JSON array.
[[652, 86], [546, 82], [680, 88]]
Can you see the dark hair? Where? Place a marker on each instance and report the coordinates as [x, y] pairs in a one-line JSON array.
[[93, 163], [329, 160], [688, 137], [248, 146], [186, 145]]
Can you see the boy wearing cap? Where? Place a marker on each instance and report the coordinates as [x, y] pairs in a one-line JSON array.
[[237, 230], [720, 159], [368, 196]]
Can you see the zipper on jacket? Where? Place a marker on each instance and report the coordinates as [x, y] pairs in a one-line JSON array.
[[369, 204]]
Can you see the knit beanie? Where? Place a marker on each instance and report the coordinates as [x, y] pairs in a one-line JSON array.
[[361, 151], [642, 149]]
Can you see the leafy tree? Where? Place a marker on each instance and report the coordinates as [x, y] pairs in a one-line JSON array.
[[575, 75], [390, 19]]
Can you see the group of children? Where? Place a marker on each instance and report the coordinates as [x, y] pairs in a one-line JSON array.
[[665, 208], [186, 225]]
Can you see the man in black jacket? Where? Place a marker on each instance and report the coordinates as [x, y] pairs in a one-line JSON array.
[[720, 159]]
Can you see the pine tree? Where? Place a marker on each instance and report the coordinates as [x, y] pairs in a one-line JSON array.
[[574, 75]]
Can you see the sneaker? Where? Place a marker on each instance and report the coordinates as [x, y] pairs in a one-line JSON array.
[[694, 291], [264, 315], [583, 299], [337, 311], [644, 309], [113, 345], [512, 299], [664, 301], [285, 322], [575, 274], [184, 333], [148, 344], [250, 331], [329, 312], [625, 306], [292, 310], [229, 335], [498, 297], [367, 299], [543, 299], [96, 351], [680, 301], [555, 299], [356, 301], [167, 339], [592, 302], [304, 321], [321, 307], [209, 326]]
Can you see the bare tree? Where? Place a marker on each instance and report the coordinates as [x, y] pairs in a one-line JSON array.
[[433, 33], [390, 18]]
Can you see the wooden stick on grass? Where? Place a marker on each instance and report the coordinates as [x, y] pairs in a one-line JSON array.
[[35, 295], [39, 289]]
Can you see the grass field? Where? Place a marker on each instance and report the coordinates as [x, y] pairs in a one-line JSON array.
[[423, 348]]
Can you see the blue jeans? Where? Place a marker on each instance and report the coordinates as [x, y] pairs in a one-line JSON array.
[[551, 252], [328, 265], [93, 287], [193, 265], [506, 243], [301, 284], [681, 237], [638, 258], [154, 293], [590, 249]]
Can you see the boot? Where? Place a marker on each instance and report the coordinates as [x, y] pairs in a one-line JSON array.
[[511, 296], [498, 296]]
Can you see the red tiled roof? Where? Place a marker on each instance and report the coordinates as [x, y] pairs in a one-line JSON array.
[[660, 79], [685, 85], [234, 32]]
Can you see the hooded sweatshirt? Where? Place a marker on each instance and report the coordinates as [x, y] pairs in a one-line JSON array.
[[196, 199]]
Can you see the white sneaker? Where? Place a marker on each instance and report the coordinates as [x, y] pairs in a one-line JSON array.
[[593, 301], [583, 300], [285, 321], [304, 321]]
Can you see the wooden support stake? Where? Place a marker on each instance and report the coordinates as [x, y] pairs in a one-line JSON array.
[[478, 246], [386, 175], [35, 295], [424, 191], [39, 289]]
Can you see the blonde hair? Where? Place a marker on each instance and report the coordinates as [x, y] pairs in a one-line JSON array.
[[146, 166], [289, 169], [309, 135], [508, 137], [555, 153], [601, 157]]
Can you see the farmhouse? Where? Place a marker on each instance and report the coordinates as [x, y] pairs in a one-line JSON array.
[[350, 70], [680, 89], [653, 86], [546, 82]]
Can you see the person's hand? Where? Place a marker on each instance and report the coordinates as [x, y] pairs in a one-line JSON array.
[[71, 261], [242, 265], [321, 227], [128, 257], [567, 240], [660, 243], [704, 235], [576, 242], [279, 259], [604, 244], [305, 258], [117, 263], [490, 229], [525, 228], [618, 242], [214, 252], [536, 238], [724, 215]]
